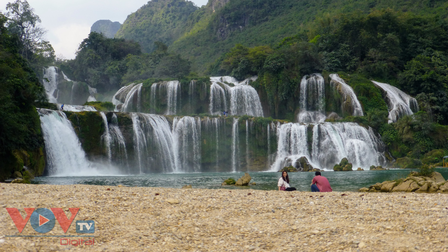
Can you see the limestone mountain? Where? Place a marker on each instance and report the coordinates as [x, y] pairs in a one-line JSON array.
[[158, 20], [202, 35], [106, 27]]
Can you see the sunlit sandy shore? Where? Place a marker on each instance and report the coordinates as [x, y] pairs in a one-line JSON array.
[[164, 219]]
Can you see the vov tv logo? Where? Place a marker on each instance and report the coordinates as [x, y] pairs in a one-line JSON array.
[[43, 220]]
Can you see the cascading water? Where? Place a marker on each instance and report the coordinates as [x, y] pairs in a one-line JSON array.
[[120, 96], [153, 144], [51, 85], [243, 98], [350, 100], [235, 144], [312, 99], [330, 143], [132, 101], [117, 144], [65, 156], [218, 99], [172, 90], [247, 144], [187, 143], [106, 137], [400, 104]]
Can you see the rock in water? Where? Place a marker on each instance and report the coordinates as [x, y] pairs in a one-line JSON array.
[[187, 187], [244, 180], [303, 164]]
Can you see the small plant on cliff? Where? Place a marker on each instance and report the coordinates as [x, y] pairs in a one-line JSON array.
[[425, 170]]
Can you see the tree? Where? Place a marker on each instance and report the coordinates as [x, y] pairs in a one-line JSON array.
[[24, 23]]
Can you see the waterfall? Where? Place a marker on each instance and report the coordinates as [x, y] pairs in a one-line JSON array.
[[244, 99], [65, 156], [117, 142], [106, 136], [235, 144], [121, 96], [216, 123], [312, 99], [292, 144], [350, 102], [218, 99], [400, 104], [247, 144], [133, 99], [187, 143], [51, 85], [330, 143], [153, 143], [172, 90]]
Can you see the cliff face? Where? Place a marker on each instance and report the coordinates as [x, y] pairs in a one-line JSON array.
[[106, 27]]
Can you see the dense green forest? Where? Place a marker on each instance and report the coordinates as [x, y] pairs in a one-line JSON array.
[[205, 33], [108, 64], [21, 142], [160, 20]]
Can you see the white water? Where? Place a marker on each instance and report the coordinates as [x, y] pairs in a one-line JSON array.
[[330, 143], [77, 108], [187, 143], [312, 99], [65, 156], [243, 98], [399, 102], [348, 94], [51, 85], [106, 137], [235, 144], [247, 144], [117, 142], [153, 143], [132, 101]]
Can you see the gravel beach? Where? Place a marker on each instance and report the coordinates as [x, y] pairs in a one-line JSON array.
[[167, 219]]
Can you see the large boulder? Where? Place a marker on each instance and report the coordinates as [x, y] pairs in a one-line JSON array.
[[387, 186], [344, 165], [376, 168], [302, 164], [443, 188], [437, 177], [244, 180], [406, 186]]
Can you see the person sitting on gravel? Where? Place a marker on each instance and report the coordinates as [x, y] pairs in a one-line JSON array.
[[283, 183], [320, 183]]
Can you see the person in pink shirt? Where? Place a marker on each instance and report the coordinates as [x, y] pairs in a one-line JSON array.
[[320, 184]]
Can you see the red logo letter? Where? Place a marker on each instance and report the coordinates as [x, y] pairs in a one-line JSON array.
[[62, 218], [17, 218]]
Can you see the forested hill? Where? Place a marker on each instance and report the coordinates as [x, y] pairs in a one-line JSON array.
[[203, 34], [158, 20]]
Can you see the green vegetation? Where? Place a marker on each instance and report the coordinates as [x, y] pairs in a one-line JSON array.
[[162, 20], [107, 64], [101, 106], [21, 139]]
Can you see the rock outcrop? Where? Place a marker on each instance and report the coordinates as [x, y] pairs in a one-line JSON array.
[[244, 180], [436, 183], [344, 165]]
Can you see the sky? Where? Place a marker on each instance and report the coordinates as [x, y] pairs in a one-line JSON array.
[[67, 22]]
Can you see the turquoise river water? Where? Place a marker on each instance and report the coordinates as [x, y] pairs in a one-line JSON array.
[[340, 181]]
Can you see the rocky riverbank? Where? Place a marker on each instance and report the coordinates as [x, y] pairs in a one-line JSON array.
[[166, 219], [435, 183]]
